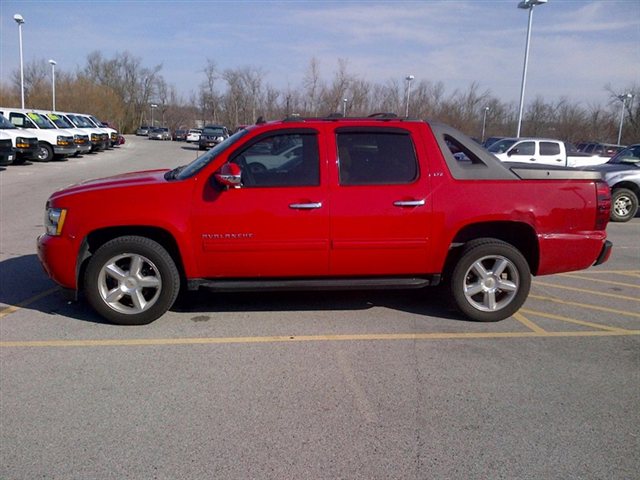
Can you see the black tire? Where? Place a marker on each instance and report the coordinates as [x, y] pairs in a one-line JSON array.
[[44, 153], [131, 281], [624, 205], [490, 281]]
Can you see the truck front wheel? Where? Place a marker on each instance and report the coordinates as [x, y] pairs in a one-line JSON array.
[[131, 280], [490, 281], [44, 153], [624, 205]]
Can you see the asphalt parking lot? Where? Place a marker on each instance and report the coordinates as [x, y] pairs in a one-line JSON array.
[[358, 385]]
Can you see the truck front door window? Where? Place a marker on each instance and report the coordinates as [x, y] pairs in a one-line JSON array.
[[281, 161]]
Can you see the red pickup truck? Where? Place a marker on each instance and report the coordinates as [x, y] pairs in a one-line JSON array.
[[334, 203]]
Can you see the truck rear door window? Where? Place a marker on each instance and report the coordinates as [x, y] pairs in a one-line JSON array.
[[549, 148], [376, 158]]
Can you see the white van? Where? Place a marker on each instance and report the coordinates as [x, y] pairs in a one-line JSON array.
[[99, 137], [113, 133], [80, 137], [52, 142], [25, 145]]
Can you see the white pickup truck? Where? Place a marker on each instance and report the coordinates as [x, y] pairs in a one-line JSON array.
[[543, 151]]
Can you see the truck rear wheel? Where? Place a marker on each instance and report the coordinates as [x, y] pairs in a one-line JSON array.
[[624, 205], [131, 280], [490, 281]]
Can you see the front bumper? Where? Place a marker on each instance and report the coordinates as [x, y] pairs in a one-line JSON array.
[[7, 157], [64, 150], [28, 153], [57, 256]]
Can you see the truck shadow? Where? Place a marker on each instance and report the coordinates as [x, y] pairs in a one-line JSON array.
[[22, 280], [427, 302]]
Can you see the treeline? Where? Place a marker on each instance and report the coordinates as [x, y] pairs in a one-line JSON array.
[[121, 89]]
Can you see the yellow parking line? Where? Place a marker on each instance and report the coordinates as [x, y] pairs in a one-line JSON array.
[[528, 323], [14, 308], [599, 280], [635, 273], [591, 292], [587, 306], [309, 338], [572, 320]]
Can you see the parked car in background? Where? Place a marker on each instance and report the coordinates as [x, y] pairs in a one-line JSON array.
[[600, 149], [160, 133], [211, 136], [25, 145], [194, 135], [179, 135], [143, 131], [490, 141], [542, 151], [622, 173], [52, 142]]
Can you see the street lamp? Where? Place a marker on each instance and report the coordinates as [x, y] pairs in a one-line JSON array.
[[484, 121], [526, 5], [153, 107], [20, 20], [408, 78], [53, 83], [344, 107], [623, 99]]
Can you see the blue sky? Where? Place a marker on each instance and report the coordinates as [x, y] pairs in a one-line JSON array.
[[577, 47]]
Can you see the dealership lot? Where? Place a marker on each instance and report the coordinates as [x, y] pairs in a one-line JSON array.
[[310, 385]]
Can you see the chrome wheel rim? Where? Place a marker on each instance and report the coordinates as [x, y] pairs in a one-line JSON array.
[[43, 153], [491, 283], [129, 283], [622, 205]]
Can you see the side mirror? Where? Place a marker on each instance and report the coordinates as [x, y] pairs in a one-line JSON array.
[[512, 152], [230, 175]]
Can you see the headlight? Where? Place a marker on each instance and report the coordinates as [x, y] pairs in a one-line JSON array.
[[54, 220], [22, 142], [64, 141]]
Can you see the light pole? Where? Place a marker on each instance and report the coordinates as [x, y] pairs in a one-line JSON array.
[[53, 84], [526, 5], [484, 121], [153, 107], [344, 107], [19, 20], [623, 99], [408, 78]]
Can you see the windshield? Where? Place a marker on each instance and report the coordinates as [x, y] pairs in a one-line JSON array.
[[205, 159], [81, 122], [40, 121], [59, 121], [6, 124], [502, 146], [628, 155], [213, 131]]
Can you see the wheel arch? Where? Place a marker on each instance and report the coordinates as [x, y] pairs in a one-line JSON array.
[[97, 238], [629, 185], [521, 235]]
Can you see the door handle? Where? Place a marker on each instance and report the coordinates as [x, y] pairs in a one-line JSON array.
[[532, 159], [306, 206], [409, 203]]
